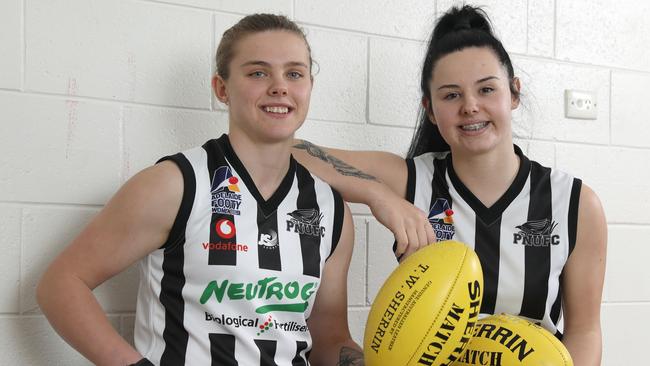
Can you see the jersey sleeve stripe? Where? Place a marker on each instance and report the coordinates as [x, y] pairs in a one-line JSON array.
[[177, 232]]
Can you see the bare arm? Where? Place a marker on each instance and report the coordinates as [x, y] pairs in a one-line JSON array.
[[135, 222], [328, 322], [377, 179], [583, 283]]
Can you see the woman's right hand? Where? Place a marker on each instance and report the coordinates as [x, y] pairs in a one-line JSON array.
[[409, 224]]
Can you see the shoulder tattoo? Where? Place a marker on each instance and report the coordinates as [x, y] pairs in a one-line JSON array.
[[339, 165]]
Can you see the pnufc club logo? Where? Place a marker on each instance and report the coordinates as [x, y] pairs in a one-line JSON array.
[[537, 233], [306, 221], [440, 217], [225, 192]]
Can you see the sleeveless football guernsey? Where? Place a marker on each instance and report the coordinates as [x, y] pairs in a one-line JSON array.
[[523, 240], [237, 278]]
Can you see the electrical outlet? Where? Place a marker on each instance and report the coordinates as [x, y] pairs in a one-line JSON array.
[[580, 104]]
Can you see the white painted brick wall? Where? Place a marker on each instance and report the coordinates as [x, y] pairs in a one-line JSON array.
[[385, 17], [123, 50], [11, 44], [339, 92], [604, 33], [58, 150], [394, 93], [629, 97], [93, 91]]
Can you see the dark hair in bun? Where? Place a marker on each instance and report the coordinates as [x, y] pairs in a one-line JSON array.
[[457, 29]]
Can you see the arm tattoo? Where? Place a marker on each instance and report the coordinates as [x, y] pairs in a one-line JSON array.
[[350, 357], [340, 166]]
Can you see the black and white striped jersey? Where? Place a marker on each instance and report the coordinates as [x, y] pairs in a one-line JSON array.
[[236, 281], [523, 240]]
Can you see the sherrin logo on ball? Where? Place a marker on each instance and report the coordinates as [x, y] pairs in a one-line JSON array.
[[426, 310], [508, 340]]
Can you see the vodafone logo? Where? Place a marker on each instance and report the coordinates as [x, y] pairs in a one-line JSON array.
[[225, 228]]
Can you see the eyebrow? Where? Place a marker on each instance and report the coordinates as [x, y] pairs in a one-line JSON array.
[[454, 86], [266, 64]]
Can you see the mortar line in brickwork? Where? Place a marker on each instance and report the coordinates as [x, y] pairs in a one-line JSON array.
[[175, 5], [623, 303], [365, 287], [51, 204], [367, 111], [628, 224], [357, 32], [589, 144], [121, 148], [515, 55], [20, 262], [23, 64], [555, 29], [611, 105], [527, 26], [79, 98]]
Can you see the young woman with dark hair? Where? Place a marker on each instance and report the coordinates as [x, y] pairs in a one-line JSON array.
[[540, 233]]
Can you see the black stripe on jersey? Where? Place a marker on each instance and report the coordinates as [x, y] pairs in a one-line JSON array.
[[573, 212], [267, 206], [173, 280], [267, 352], [537, 260], [486, 245], [222, 350], [411, 178], [309, 244], [557, 304], [268, 248], [219, 257], [299, 360], [439, 186], [337, 226], [171, 298], [177, 232]]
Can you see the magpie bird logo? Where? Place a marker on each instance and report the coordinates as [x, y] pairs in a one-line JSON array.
[[537, 233], [306, 221], [538, 227], [309, 216]]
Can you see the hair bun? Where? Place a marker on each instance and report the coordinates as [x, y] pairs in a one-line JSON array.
[[462, 18]]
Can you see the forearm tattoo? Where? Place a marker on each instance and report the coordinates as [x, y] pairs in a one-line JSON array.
[[350, 357], [340, 166]]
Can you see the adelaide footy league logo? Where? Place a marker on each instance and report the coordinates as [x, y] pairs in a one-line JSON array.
[[306, 221], [226, 198], [441, 220], [537, 233]]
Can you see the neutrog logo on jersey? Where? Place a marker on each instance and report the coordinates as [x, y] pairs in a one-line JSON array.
[[537, 233], [306, 221], [226, 198], [268, 240], [270, 293], [442, 222]]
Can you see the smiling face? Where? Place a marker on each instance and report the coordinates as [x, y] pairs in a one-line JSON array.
[[471, 101], [269, 86]]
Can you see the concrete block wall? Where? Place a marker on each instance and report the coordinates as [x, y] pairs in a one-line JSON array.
[[92, 91]]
